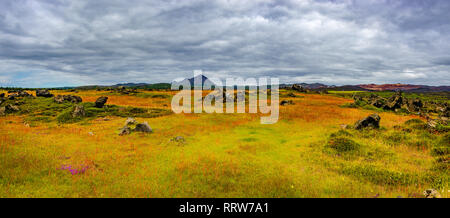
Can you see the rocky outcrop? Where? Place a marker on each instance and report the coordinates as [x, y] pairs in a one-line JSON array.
[[377, 101], [143, 127], [372, 121], [67, 98], [11, 108], [23, 94], [431, 193], [78, 111], [130, 121], [13, 96], [414, 105], [292, 95], [18, 94], [43, 93], [124, 90], [286, 102], [298, 88], [444, 111], [395, 101], [437, 124], [125, 131], [139, 127], [179, 139], [100, 102]]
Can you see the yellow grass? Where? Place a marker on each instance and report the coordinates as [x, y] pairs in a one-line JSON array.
[[225, 155]]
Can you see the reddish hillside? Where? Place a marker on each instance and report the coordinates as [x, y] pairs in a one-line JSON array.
[[383, 87]]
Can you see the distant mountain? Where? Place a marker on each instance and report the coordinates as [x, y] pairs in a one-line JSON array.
[[132, 84], [306, 85], [203, 79], [191, 81], [431, 89], [313, 85], [373, 87], [347, 88], [145, 85], [391, 87], [405, 87]]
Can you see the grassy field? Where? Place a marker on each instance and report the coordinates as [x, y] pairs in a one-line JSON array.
[[305, 154]]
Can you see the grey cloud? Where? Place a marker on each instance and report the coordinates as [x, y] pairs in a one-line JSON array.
[[343, 42]]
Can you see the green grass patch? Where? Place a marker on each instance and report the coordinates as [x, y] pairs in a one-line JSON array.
[[110, 110], [381, 176], [343, 144]]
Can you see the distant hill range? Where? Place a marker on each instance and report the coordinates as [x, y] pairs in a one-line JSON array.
[[314, 86], [374, 87], [405, 87]]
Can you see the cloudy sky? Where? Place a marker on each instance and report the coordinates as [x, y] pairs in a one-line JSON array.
[[47, 43]]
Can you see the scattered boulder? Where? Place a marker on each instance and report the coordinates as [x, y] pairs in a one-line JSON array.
[[17, 94], [59, 99], [78, 111], [431, 124], [23, 94], [398, 103], [437, 124], [372, 121], [18, 103], [143, 127], [395, 101], [100, 102], [70, 98], [13, 96], [43, 93], [179, 139], [140, 127], [124, 90], [125, 131], [431, 193], [2, 111], [292, 95], [298, 88], [286, 102], [444, 111], [414, 105], [73, 98], [356, 97], [11, 108], [129, 121], [377, 101]]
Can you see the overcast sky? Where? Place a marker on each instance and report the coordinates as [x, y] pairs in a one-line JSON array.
[[47, 43]]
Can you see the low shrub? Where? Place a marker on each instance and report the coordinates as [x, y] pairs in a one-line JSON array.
[[110, 110], [343, 144], [416, 124], [341, 133], [381, 176]]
